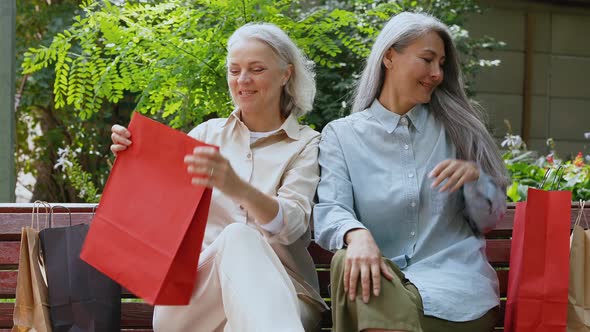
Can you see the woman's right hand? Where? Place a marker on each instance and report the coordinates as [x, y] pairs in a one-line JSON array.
[[363, 258], [120, 137]]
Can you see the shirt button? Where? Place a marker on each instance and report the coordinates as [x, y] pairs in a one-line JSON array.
[[403, 121], [413, 204], [412, 233], [406, 147], [411, 175], [249, 155]]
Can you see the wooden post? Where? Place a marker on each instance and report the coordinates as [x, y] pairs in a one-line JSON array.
[[7, 116], [528, 77]]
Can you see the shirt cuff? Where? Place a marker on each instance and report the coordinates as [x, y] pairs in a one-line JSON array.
[[483, 187], [276, 225], [342, 230]]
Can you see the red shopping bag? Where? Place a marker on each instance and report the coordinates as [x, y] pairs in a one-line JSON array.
[[149, 226], [539, 263]]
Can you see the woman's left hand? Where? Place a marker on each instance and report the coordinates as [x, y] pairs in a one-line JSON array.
[[209, 168], [456, 172]]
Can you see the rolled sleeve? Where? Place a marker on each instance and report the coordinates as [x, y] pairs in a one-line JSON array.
[[485, 202], [275, 225], [296, 193], [334, 213]]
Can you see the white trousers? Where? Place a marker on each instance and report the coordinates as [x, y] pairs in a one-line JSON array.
[[241, 286]]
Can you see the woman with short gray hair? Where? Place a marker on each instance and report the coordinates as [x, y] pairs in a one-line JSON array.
[[409, 183], [254, 273]]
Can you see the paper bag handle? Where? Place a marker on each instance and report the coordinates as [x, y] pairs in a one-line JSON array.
[[36, 206], [581, 213], [51, 214], [555, 184]]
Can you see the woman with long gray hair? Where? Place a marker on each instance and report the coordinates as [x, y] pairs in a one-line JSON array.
[[254, 273], [409, 183]]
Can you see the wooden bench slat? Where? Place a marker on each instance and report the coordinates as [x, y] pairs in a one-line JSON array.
[[12, 223], [9, 252], [8, 280], [133, 315]]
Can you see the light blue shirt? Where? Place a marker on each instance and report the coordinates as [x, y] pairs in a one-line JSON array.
[[374, 175]]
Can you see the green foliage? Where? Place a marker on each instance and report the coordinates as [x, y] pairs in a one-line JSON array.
[[172, 54], [546, 172], [167, 59], [80, 180]]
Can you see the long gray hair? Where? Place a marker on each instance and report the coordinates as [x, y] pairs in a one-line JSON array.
[[299, 92], [462, 119]]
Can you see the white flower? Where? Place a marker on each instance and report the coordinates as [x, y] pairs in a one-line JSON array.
[[489, 63], [513, 142], [62, 152], [63, 163]]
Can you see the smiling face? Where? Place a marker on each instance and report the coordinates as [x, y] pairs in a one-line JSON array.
[[256, 77], [412, 74]]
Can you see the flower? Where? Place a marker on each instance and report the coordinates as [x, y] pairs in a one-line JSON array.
[[62, 161], [514, 143], [579, 160]]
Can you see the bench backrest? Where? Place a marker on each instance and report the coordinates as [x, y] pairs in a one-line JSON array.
[[138, 316]]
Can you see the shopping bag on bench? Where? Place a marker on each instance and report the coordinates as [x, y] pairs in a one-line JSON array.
[[539, 263], [80, 297]]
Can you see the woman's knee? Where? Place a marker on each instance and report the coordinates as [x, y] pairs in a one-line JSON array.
[[238, 231], [239, 238]]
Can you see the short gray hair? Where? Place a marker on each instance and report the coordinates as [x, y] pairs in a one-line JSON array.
[[299, 92], [463, 120]]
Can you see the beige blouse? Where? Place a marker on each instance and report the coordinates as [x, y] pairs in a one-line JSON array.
[[283, 165]]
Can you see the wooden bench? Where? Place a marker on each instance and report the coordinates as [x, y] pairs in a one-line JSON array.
[[137, 316]]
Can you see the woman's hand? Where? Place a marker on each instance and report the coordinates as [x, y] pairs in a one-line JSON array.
[[209, 168], [363, 258], [120, 137], [456, 172]]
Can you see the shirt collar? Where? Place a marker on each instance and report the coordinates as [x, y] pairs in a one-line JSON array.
[[389, 120], [290, 126]]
